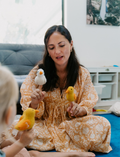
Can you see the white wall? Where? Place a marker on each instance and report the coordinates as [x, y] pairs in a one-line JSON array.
[[95, 45]]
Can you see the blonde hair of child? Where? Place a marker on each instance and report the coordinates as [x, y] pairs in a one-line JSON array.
[[8, 92]]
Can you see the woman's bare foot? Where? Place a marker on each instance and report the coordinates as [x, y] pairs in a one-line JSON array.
[[61, 154]]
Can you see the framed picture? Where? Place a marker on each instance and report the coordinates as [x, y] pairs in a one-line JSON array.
[[103, 12]]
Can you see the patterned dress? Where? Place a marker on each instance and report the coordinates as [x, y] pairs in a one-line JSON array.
[[55, 129]]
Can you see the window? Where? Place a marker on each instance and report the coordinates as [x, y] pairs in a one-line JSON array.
[[26, 21]]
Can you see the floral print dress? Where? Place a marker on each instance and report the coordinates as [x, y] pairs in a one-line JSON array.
[[55, 129]]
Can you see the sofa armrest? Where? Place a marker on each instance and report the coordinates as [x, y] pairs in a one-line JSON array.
[[20, 79]]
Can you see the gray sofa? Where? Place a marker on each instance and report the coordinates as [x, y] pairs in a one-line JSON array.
[[20, 59]]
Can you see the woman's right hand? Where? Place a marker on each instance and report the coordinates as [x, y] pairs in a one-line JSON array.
[[26, 137], [36, 97]]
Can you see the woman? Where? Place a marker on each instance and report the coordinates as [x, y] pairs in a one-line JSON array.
[[62, 125]]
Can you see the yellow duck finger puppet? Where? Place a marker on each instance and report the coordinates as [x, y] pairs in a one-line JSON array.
[[70, 94], [40, 79], [27, 120]]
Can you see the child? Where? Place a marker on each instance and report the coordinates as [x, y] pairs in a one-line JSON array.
[[8, 99]]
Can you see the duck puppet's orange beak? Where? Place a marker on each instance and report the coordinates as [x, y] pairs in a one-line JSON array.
[[40, 72], [36, 111], [66, 91]]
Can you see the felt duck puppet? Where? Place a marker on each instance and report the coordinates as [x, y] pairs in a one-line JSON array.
[[70, 94], [40, 79], [27, 120]]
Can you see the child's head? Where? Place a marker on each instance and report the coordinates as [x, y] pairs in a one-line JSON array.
[[8, 97]]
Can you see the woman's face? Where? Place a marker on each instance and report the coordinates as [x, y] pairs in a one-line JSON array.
[[59, 49]]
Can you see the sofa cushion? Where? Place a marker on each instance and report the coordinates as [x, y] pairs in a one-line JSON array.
[[20, 58]]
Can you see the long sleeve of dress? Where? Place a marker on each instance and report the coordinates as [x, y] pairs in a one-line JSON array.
[[87, 96], [27, 88]]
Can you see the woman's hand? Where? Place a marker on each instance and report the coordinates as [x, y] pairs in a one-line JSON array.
[[26, 137], [75, 110], [36, 97]]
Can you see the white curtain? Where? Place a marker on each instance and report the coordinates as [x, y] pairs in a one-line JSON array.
[[26, 21]]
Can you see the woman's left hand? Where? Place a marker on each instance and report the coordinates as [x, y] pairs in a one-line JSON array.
[[75, 110]]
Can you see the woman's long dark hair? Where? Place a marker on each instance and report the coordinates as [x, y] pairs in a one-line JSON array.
[[49, 66]]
